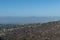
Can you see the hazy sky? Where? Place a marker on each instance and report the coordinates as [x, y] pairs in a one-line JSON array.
[[27, 8]]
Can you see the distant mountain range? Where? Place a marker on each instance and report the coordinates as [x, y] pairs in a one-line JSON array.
[[26, 20]]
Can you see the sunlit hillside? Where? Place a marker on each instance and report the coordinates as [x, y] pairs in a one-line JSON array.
[[36, 31]]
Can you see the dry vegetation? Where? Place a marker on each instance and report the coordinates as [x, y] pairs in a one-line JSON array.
[[45, 31]]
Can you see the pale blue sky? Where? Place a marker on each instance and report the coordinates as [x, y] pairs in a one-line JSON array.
[[25, 8]]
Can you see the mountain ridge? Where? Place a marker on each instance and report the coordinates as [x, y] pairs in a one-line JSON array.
[[26, 20]]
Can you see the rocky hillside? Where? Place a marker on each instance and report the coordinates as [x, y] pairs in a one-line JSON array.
[[44, 31]]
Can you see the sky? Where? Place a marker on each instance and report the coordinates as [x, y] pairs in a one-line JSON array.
[[27, 8]]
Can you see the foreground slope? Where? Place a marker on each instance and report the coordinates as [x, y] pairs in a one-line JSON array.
[[45, 31]]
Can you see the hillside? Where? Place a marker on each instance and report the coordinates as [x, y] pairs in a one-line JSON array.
[[44, 31]]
